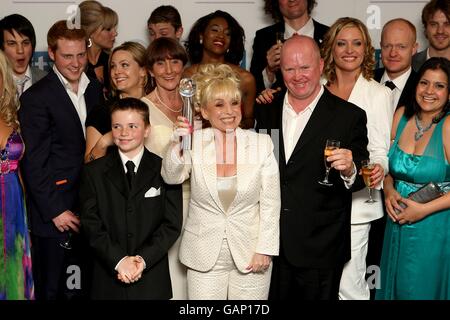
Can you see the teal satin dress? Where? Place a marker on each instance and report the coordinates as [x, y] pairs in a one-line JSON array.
[[415, 262]]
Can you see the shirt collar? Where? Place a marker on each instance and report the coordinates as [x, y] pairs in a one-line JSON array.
[[136, 160], [307, 29], [400, 81], [82, 83], [288, 108]]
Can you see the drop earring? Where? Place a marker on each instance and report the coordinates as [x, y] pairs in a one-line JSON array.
[[201, 41], [89, 44]]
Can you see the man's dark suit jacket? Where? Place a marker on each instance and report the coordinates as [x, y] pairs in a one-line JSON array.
[[315, 219], [54, 150], [120, 222], [418, 59], [264, 39], [409, 91]]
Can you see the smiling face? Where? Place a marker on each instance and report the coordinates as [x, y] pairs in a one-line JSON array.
[[129, 131], [126, 74], [398, 45], [438, 31], [217, 36], [223, 109], [348, 50], [70, 59], [293, 9], [167, 73], [432, 93], [18, 49]]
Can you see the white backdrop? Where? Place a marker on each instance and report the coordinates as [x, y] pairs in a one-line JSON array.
[[133, 15]]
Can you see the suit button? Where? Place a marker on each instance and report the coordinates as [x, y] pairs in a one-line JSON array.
[[130, 235], [286, 210]]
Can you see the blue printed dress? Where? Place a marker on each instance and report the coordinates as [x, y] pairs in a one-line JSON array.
[[415, 262], [16, 281]]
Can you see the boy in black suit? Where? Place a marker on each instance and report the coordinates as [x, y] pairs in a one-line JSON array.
[[131, 218]]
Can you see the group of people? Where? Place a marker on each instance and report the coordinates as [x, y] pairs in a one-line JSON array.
[[113, 196]]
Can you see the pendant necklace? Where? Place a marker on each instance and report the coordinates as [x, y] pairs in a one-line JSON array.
[[165, 105], [421, 130]]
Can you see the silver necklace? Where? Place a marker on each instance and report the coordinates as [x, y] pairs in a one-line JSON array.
[[421, 130], [165, 105]]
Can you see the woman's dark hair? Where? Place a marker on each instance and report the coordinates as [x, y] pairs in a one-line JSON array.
[[235, 52], [435, 63], [272, 7]]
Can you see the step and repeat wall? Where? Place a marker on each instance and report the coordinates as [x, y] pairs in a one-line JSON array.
[[133, 15]]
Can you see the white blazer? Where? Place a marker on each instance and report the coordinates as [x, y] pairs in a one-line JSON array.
[[251, 224], [376, 100]]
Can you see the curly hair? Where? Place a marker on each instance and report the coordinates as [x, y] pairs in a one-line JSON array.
[[9, 104], [234, 53], [272, 7], [329, 43], [435, 63], [215, 80]]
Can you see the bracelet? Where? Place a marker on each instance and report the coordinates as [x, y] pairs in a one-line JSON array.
[[91, 157]]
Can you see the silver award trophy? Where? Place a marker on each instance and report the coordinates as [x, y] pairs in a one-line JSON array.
[[187, 89]]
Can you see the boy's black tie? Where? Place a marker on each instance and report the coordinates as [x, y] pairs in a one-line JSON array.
[[130, 172]]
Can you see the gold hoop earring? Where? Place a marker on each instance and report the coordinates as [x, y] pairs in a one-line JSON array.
[[89, 44]]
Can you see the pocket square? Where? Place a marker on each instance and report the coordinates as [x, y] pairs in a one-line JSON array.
[[152, 192]]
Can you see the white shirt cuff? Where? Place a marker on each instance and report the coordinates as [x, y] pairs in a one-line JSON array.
[[117, 265], [348, 181]]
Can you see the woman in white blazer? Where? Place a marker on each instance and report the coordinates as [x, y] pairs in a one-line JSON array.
[[349, 59], [232, 228]]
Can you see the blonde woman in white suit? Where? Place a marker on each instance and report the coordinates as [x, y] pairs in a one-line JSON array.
[[232, 228]]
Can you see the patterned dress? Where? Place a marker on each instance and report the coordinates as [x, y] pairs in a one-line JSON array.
[[16, 280]]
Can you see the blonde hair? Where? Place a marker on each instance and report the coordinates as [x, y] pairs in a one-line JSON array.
[[94, 16], [215, 80], [330, 42], [9, 104]]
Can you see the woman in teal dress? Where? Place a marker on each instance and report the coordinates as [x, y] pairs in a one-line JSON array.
[[16, 280], [415, 262]]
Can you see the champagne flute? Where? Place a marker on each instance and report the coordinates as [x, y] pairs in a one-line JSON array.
[[279, 36], [329, 147], [367, 168]]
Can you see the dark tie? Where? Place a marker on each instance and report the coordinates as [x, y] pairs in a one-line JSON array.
[[130, 172], [21, 85], [390, 85]]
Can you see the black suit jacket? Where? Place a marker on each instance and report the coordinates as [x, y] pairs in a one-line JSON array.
[[264, 39], [54, 150], [409, 91], [120, 222], [315, 219]]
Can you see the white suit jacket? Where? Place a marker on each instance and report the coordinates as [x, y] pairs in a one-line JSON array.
[[251, 224], [376, 100]]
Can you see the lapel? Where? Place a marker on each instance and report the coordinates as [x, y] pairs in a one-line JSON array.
[[408, 94], [148, 169], [63, 102], [209, 168], [116, 173], [323, 114]]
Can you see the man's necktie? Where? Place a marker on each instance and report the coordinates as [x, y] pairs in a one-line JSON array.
[[21, 85], [130, 172], [390, 85]]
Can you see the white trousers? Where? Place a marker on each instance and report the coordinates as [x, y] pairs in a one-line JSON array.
[[224, 281], [353, 284]]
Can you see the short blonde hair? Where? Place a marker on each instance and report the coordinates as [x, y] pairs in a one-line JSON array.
[[329, 43], [94, 15], [9, 104], [215, 80]]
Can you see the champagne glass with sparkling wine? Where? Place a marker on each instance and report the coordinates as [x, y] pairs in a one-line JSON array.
[[329, 147], [367, 168]]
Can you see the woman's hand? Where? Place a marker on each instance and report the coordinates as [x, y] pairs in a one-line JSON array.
[[391, 200], [412, 213], [266, 96], [181, 128], [376, 176], [259, 263]]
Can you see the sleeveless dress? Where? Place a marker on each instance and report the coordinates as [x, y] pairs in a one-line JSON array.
[[415, 262], [16, 280]]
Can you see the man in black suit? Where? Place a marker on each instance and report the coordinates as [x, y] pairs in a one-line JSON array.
[[398, 45], [52, 116], [130, 224], [291, 16], [315, 219]]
